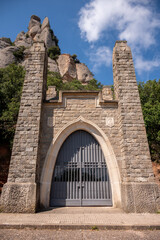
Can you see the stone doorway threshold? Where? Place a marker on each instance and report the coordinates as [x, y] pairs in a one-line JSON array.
[[82, 210]]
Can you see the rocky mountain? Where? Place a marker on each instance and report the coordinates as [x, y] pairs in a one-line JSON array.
[[69, 70], [6, 52], [64, 64]]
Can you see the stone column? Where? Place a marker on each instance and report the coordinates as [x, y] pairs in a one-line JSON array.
[[20, 191], [138, 186]]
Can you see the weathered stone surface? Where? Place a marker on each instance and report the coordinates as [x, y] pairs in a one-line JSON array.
[[139, 197], [24, 63], [45, 23], [83, 73], [3, 43], [45, 36], [52, 65], [19, 198], [20, 36], [40, 33], [6, 56], [107, 93], [34, 30], [6, 52], [23, 39], [34, 21], [131, 118], [7, 40], [67, 67], [137, 173], [69, 70], [20, 190], [51, 92]]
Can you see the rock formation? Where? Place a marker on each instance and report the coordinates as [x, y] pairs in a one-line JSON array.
[[23, 39], [67, 67], [36, 32], [83, 73], [64, 65], [6, 52], [52, 65]]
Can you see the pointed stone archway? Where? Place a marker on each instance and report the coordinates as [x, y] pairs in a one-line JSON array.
[[50, 160]]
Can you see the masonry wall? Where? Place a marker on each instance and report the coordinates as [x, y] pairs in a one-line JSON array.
[[40, 119], [19, 194], [139, 192], [56, 116], [138, 186]]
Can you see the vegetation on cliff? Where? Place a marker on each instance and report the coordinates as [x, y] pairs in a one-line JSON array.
[[54, 52], [19, 53], [55, 79]]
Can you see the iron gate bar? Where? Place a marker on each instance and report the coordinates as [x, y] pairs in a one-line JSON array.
[[80, 176]]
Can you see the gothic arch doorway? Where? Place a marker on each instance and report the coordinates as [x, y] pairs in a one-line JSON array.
[[50, 161], [80, 176]]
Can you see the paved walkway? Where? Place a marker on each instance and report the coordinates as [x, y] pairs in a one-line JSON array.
[[80, 218]]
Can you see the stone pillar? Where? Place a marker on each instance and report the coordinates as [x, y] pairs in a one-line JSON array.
[[138, 187], [20, 191]]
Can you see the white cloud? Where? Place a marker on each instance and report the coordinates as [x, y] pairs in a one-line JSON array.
[[142, 64], [133, 19], [100, 56]]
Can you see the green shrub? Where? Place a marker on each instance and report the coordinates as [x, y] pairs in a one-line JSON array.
[[51, 31], [54, 79], [75, 59], [27, 35], [113, 92], [19, 53], [55, 39], [54, 52], [93, 85], [95, 228], [73, 85]]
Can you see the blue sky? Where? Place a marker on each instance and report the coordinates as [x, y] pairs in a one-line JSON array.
[[89, 28]]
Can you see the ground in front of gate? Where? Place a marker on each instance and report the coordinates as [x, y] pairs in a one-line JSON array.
[[12, 234]]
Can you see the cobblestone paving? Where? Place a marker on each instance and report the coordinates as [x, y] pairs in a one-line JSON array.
[[81, 216], [78, 235]]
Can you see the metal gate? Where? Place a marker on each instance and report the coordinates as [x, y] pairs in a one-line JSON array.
[[80, 176]]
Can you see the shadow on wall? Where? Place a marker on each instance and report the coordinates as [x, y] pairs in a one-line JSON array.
[[5, 155]]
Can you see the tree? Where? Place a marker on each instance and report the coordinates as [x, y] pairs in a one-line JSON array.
[[54, 79], [150, 100], [11, 82], [93, 85]]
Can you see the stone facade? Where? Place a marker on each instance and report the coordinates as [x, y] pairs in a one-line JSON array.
[[138, 186], [20, 191], [44, 124]]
